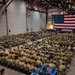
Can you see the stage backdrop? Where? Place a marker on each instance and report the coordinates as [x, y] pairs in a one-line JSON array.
[[64, 22]]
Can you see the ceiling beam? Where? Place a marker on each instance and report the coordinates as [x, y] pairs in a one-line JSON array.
[[36, 10], [34, 2], [1, 2], [7, 5]]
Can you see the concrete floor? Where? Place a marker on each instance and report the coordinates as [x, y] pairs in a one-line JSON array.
[[70, 71], [10, 71]]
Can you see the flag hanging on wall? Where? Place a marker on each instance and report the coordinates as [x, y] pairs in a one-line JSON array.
[[64, 22]]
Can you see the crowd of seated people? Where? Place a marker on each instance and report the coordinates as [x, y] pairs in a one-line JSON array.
[[54, 50], [16, 40]]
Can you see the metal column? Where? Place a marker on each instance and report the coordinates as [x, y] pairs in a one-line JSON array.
[[26, 21], [6, 22], [46, 17], [6, 18]]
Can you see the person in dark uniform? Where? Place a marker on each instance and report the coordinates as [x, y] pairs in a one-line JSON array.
[[51, 56], [2, 72]]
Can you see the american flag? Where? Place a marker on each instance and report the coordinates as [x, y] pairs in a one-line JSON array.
[[64, 22]]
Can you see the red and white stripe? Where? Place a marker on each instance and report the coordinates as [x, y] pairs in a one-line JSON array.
[[69, 23]]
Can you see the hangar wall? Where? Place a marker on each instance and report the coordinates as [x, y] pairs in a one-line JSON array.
[[53, 11], [17, 19]]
